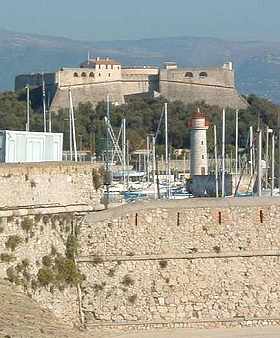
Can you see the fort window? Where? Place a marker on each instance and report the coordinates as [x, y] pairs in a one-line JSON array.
[[99, 74], [91, 74], [189, 74], [84, 74], [203, 74], [109, 74], [76, 75]]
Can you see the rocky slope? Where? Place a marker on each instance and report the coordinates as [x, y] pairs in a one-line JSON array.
[[21, 317]]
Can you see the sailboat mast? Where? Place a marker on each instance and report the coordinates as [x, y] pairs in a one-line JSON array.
[[272, 163], [251, 151], [223, 151], [72, 118], [166, 149], [124, 150], [27, 108], [259, 159], [216, 161], [236, 147]]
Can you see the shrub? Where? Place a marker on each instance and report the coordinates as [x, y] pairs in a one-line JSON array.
[[72, 246], [163, 264], [53, 251], [132, 299], [7, 258], [13, 242], [66, 271], [45, 219], [12, 275], [47, 260], [27, 224], [217, 249], [111, 273], [96, 179], [25, 262], [98, 287], [127, 280], [45, 276]]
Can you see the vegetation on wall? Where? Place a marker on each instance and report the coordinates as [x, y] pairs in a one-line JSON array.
[[58, 270]]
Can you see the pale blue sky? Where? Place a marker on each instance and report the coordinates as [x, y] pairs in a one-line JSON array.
[[135, 19]]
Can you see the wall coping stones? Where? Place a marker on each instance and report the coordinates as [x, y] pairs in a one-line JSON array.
[[192, 203]]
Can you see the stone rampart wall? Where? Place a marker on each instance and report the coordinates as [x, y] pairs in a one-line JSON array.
[[202, 263], [86, 76], [33, 255], [93, 85], [214, 76], [213, 95], [94, 93], [58, 183]]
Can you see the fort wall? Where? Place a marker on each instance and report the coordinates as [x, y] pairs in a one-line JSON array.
[[41, 209], [140, 80], [215, 86], [82, 93], [93, 82], [29, 235], [201, 263], [190, 263], [51, 184]]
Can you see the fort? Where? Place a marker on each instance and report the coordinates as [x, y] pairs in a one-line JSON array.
[[201, 263], [97, 78]]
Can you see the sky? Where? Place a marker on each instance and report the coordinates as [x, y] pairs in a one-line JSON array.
[[96, 20]]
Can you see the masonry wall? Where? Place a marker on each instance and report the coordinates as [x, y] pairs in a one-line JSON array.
[[140, 80], [31, 240], [94, 93], [217, 88], [58, 183], [197, 263]]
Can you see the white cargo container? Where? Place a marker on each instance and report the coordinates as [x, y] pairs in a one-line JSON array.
[[23, 146]]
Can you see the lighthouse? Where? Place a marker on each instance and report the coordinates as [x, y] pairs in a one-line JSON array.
[[199, 160]]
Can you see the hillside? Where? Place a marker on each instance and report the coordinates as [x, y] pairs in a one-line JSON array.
[[257, 63], [22, 317]]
